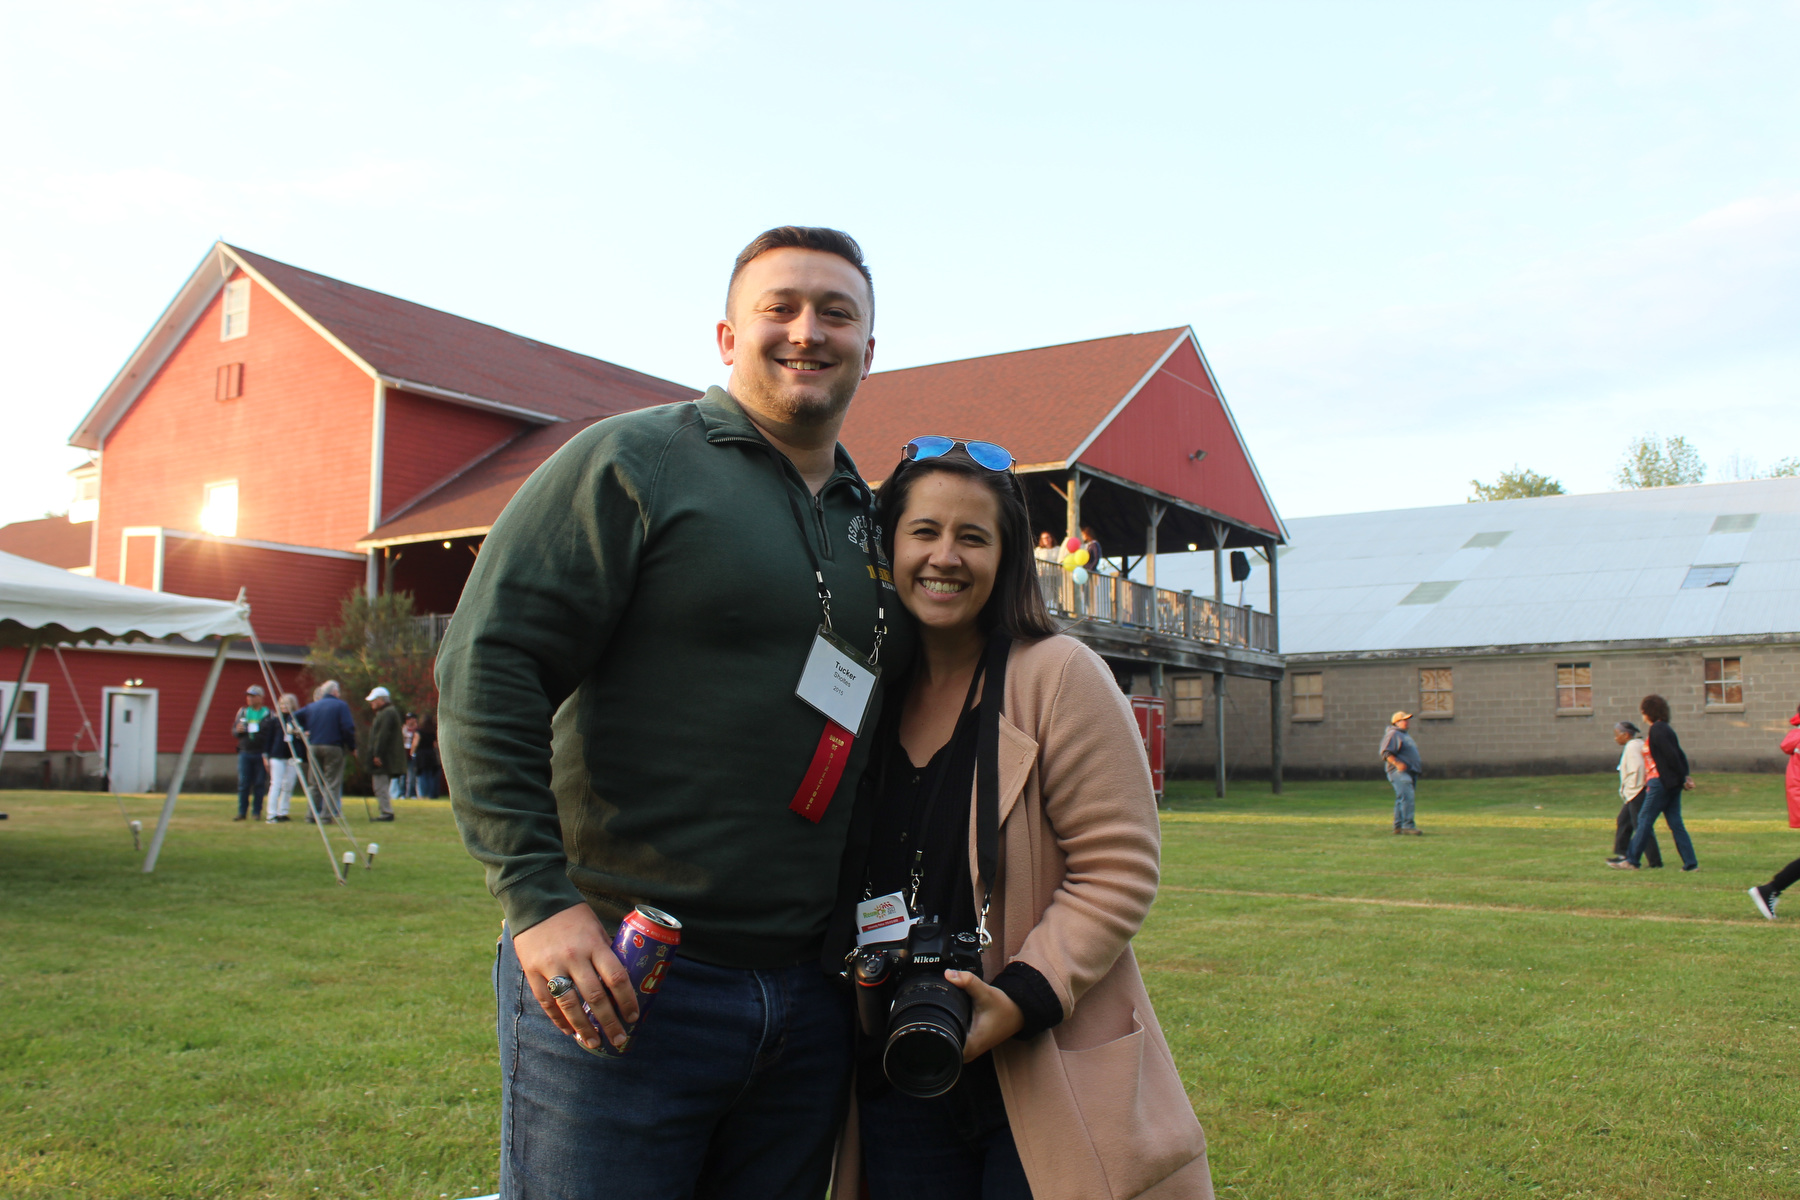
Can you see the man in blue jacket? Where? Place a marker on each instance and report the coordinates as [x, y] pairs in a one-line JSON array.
[[331, 734], [1400, 755]]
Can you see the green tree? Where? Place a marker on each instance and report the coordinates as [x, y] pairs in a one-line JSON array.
[[1787, 468], [1515, 484], [377, 643], [1650, 462]]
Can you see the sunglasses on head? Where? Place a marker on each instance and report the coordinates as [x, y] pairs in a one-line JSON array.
[[986, 454]]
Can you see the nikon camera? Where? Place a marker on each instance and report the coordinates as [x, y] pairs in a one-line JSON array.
[[922, 1018]]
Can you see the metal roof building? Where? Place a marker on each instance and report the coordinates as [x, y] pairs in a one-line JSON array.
[[1503, 619]]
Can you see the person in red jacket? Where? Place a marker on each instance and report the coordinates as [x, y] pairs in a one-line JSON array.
[[1764, 895]]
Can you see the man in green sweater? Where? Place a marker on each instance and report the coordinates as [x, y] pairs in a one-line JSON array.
[[620, 724]]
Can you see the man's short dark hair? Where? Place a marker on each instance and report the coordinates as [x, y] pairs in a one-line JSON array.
[[803, 237], [1654, 707]]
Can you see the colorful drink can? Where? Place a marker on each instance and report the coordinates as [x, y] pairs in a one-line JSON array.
[[645, 945]]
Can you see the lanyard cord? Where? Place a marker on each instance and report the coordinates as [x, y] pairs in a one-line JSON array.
[[933, 787], [872, 538]]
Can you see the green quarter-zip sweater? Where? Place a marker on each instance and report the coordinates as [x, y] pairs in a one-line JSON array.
[[617, 709]]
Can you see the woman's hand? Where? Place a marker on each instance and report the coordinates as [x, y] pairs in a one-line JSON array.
[[995, 1019]]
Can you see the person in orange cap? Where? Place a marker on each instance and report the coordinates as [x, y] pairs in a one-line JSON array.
[[1400, 754]]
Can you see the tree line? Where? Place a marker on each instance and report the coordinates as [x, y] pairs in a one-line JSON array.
[[1650, 462]]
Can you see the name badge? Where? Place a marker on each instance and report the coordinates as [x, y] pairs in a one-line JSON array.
[[882, 919], [837, 681], [251, 726]]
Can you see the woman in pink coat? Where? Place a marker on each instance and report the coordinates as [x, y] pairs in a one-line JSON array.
[[1764, 895], [1020, 839]]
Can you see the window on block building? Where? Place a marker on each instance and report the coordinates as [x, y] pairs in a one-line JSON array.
[[236, 319], [1574, 688], [230, 382], [1437, 696], [1190, 699], [1309, 696], [220, 513], [27, 732], [1725, 683]]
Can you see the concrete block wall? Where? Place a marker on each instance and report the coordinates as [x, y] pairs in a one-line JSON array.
[[1505, 720]]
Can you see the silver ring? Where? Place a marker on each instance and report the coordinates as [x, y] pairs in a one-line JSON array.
[[560, 984]]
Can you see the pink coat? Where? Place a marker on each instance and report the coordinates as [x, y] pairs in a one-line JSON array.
[[1097, 1106], [1789, 745]]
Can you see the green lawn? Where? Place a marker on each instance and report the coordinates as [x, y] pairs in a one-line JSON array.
[[1485, 1011]]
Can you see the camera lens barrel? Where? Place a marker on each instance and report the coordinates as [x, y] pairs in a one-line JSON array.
[[927, 1028]]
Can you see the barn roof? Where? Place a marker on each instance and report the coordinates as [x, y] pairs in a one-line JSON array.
[[1705, 561], [1042, 404], [54, 540], [403, 344]]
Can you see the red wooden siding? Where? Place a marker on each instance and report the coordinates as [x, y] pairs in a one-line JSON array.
[[427, 440], [178, 682], [140, 561], [291, 595], [296, 441], [1174, 414]]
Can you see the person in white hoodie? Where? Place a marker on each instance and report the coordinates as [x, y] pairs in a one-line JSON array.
[[1631, 794]]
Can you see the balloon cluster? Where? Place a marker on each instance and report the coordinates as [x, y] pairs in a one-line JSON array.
[[1075, 560]]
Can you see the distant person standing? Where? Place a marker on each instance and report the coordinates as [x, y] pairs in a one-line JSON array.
[[283, 752], [1090, 541], [1047, 550], [387, 750], [247, 727], [1764, 895], [1667, 768], [429, 767], [331, 735], [1633, 774], [1400, 755], [409, 734]]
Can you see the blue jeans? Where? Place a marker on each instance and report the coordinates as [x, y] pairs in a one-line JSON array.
[[1403, 798], [253, 781], [734, 1089], [1666, 803], [958, 1146]]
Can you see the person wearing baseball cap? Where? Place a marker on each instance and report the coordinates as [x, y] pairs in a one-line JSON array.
[[253, 774], [1400, 754], [387, 750]]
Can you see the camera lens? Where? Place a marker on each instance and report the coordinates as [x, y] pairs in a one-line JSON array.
[[926, 1029]]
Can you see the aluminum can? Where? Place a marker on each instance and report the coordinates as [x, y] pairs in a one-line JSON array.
[[645, 945]]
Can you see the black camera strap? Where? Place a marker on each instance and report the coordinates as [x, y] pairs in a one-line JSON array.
[[987, 776]]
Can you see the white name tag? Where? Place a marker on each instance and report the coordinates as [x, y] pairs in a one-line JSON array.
[[882, 919], [251, 726], [837, 681]]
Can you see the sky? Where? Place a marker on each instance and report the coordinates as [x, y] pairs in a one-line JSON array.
[[1420, 243]]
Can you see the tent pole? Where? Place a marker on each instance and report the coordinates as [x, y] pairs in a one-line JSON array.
[[12, 705], [187, 754]]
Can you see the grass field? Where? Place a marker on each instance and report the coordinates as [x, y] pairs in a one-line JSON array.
[[1484, 1011]]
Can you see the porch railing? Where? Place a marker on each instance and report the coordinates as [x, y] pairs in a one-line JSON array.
[[434, 626], [1117, 601]]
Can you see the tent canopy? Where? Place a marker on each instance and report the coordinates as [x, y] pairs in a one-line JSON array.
[[43, 604]]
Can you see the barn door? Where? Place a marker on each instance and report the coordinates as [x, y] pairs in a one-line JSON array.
[[130, 742]]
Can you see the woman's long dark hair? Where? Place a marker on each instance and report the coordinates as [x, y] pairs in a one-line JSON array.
[[1016, 605]]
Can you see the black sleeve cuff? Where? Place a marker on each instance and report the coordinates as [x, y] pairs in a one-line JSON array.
[[1026, 987]]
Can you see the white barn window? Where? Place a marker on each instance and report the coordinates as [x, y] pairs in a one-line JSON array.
[[236, 321], [27, 732]]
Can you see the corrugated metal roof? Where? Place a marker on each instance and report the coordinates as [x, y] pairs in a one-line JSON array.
[[1604, 567]]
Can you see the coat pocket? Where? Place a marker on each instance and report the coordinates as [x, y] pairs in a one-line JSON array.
[[1135, 1110]]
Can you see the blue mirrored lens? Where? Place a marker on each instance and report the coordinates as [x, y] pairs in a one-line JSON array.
[[930, 447], [994, 458]]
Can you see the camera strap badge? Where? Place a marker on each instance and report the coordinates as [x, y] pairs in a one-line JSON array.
[[882, 919]]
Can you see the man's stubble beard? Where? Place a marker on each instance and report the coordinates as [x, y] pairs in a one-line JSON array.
[[803, 411]]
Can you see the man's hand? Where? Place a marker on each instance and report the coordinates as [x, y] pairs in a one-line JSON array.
[[1687, 785], [574, 943], [995, 1019]]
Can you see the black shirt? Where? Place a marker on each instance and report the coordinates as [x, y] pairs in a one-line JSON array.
[[908, 820]]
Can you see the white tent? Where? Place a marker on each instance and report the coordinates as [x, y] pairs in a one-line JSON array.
[[41, 605]]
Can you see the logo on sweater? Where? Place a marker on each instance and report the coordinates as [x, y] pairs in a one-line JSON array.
[[859, 532]]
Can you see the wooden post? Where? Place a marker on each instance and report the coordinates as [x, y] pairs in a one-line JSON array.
[[1219, 729], [187, 752], [1074, 496], [1156, 514], [1276, 729]]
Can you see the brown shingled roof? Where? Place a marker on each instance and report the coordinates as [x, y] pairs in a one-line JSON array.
[[423, 345], [1040, 404], [50, 540]]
